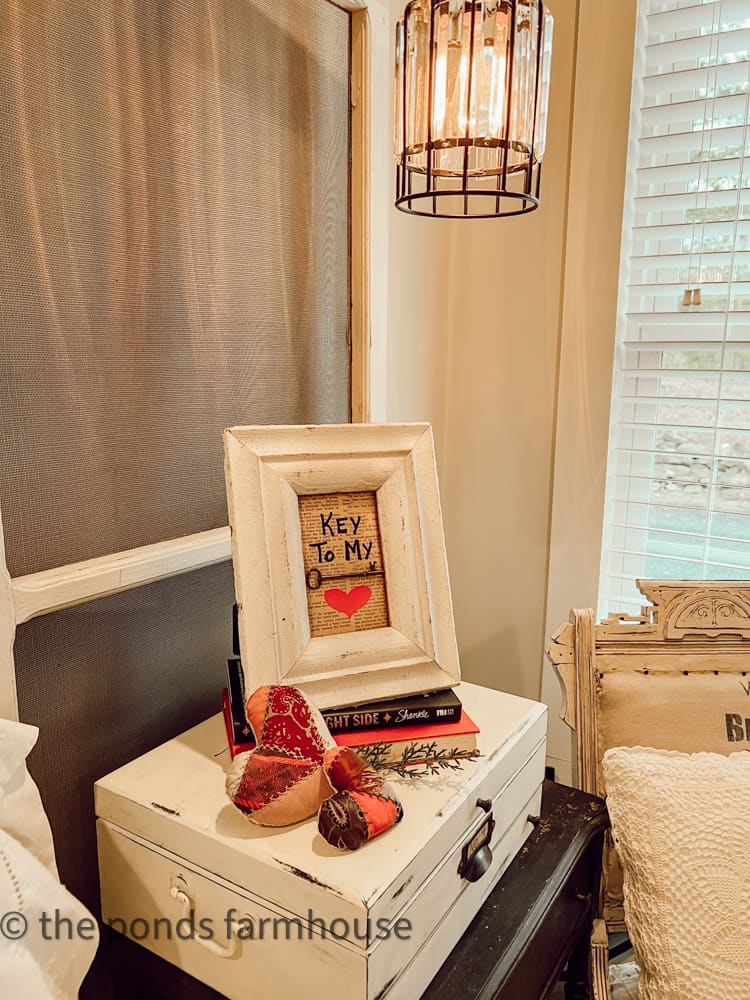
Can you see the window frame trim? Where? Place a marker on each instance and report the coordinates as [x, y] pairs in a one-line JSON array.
[[591, 273]]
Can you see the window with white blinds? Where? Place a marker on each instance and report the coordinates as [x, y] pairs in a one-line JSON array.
[[678, 492]]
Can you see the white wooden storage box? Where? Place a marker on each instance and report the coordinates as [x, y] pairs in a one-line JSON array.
[[172, 848]]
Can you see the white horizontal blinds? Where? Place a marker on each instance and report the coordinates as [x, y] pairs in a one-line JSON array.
[[679, 470]]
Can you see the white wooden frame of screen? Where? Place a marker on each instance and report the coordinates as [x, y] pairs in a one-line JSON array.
[[51, 590]]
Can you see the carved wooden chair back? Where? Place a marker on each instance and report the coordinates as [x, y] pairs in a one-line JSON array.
[[675, 677]]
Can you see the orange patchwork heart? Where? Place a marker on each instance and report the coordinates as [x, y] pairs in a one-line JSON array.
[[362, 806], [348, 604]]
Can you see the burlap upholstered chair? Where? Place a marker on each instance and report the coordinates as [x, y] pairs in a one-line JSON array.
[[675, 677]]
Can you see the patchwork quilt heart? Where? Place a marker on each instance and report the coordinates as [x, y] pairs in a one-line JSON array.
[[281, 781], [297, 768]]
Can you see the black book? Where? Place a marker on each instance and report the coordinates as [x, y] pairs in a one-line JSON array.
[[434, 709], [236, 688], [235, 630]]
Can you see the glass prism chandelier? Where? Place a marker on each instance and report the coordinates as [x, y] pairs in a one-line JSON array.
[[472, 92]]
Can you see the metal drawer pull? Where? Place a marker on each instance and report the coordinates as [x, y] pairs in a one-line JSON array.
[[476, 855], [230, 950]]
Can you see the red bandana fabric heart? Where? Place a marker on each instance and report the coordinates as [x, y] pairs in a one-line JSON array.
[[296, 769], [282, 717]]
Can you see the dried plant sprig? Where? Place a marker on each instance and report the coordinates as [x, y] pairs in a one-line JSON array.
[[418, 760]]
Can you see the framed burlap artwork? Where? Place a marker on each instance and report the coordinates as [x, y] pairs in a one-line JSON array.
[[339, 560]]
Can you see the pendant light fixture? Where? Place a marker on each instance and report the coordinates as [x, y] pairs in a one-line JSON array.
[[472, 91]]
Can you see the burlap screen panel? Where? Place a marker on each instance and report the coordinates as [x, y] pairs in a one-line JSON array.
[[173, 256]]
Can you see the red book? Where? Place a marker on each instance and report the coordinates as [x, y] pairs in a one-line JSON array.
[[410, 734], [459, 735]]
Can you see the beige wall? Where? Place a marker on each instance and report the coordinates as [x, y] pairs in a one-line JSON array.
[[473, 341], [420, 289]]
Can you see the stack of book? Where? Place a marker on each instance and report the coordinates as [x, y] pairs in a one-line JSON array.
[[400, 729]]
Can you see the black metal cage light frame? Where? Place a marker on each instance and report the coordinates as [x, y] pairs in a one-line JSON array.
[[472, 92]]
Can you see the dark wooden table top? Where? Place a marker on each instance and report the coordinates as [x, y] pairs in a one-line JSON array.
[[510, 927]]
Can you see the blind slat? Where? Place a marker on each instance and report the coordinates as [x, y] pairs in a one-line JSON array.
[[738, 207], [721, 227], [649, 425], [687, 144], [653, 116], [717, 170], [694, 16], [731, 539], [664, 87], [663, 343], [676, 288], [694, 560], [686, 400], [694, 48], [662, 480], [659, 259], [643, 453]]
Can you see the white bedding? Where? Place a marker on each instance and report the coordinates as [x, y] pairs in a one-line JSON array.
[[47, 938]]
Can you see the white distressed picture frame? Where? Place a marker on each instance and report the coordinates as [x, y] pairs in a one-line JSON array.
[[266, 469]]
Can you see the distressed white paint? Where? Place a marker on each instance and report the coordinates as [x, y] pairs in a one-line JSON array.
[[165, 818], [266, 468], [62, 587], [8, 700]]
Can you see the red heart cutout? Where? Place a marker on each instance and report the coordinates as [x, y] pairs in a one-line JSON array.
[[348, 604]]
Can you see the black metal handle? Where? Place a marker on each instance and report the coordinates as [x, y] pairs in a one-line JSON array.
[[476, 854], [479, 863]]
